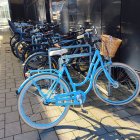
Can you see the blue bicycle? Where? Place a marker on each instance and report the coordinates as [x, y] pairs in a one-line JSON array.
[[45, 97]]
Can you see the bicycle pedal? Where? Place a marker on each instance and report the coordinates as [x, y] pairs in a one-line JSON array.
[[71, 98], [84, 111]]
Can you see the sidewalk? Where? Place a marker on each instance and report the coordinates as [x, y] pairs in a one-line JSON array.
[[102, 122]]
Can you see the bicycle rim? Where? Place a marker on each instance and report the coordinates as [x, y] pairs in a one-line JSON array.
[[128, 84], [38, 61], [32, 109], [20, 49]]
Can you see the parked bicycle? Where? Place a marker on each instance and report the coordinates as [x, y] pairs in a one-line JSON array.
[[45, 98]]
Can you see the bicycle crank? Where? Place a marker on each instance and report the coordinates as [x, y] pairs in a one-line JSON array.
[[71, 98]]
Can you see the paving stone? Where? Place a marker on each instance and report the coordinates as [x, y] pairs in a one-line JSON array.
[[11, 85], [125, 123], [2, 87], [13, 89], [1, 133], [51, 113], [14, 108], [66, 136], [120, 114], [12, 101], [108, 108], [97, 129], [2, 117], [109, 136], [120, 107], [4, 91], [49, 135], [2, 104], [5, 110], [135, 120], [82, 123], [97, 103], [71, 116], [133, 111], [26, 128], [83, 134], [8, 138], [12, 129], [66, 127], [28, 136], [1, 124], [12, 117], [109, 124], [98, 113], [130, 133], [2, 95], [2, 99]]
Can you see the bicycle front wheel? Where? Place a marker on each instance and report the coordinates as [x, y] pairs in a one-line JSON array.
[[128, 84], [32, 108]]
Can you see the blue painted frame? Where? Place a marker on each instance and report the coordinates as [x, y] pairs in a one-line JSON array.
[[96, 60]]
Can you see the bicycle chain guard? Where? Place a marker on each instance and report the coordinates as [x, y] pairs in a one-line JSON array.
[[71, 98]]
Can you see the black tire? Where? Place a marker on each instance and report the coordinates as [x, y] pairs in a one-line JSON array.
[[31, 49], [20, 49], [13, 42], [38, 60], [13, 38]]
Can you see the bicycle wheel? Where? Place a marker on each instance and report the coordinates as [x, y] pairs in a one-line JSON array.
[[83, 65], [13, 39], [30, 50], [13, 42], [20, 48], [38, 60], [128, 84], [32, 108]]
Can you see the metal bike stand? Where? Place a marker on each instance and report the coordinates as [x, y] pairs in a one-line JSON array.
[[70, 47], [109, 84]]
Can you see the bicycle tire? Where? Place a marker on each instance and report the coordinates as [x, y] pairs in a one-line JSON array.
[[20, 48], [31, 49], [48, 115], [37, 66], [127, 79], [13, 38]]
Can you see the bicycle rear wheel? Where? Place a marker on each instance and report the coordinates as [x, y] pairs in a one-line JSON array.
[[13, 39], [31, 105], [38, 60], [128, 81], [13, 42], [20, 48]]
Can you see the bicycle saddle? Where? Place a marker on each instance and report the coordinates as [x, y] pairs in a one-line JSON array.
[[58, 52]]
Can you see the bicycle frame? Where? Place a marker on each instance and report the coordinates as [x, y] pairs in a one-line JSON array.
[[96, 60]]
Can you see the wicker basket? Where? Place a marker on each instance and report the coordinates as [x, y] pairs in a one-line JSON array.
[[109, 45]]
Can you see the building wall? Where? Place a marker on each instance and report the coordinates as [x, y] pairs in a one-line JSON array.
[[17, 9], [28, 9], [119, 18], [130, 31], [76, 13]]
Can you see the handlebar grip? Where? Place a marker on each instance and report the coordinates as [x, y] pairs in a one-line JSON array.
[[80, 36]]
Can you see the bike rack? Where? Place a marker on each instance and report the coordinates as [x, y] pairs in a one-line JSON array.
[[73, 55]]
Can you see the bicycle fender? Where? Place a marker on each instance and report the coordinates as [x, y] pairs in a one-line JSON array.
[[35, 75]]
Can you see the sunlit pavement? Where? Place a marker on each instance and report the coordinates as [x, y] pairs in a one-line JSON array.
[[101, 121]]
